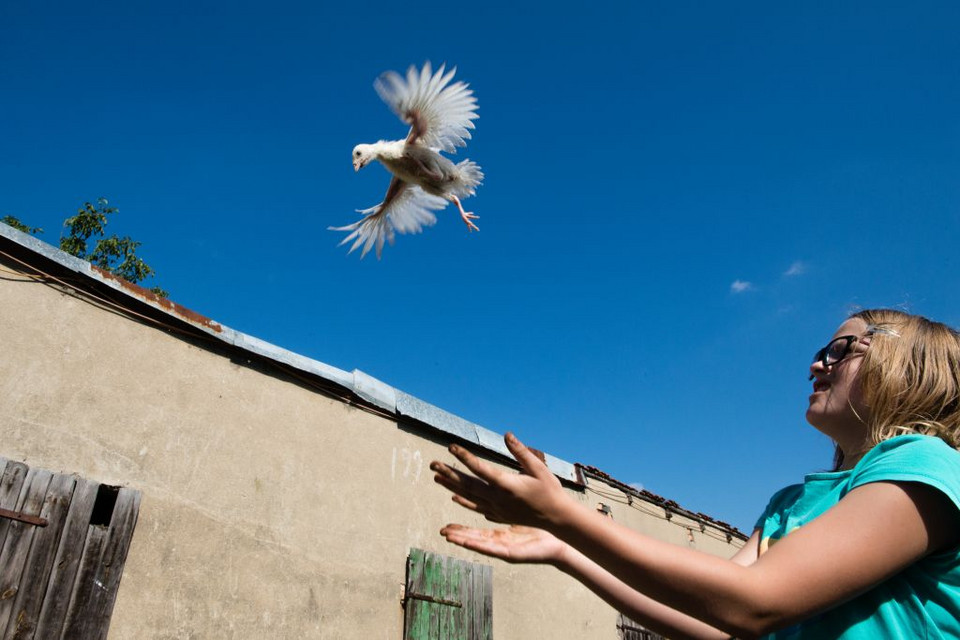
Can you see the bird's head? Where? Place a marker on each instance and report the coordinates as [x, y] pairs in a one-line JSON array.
[[362, 154]]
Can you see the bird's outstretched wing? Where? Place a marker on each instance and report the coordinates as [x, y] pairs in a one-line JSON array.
[[405, 209], [440, 114]]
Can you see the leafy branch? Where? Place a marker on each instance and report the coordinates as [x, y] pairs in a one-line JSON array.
[[85, 237], [19, 226]]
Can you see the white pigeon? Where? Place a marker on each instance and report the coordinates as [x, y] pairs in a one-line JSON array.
[[440, 116]]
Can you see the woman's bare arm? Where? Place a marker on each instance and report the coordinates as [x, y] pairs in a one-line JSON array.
[[518, 544], [643, 609], [874, 532]]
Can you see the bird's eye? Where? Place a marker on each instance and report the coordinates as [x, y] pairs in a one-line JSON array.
[[356, 154]]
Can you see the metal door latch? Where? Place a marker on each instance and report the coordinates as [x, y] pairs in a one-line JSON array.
[[22, 517]]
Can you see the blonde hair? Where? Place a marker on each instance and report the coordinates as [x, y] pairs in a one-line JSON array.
[[910, 377]]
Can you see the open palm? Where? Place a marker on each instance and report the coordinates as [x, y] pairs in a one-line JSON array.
[[516, 543]]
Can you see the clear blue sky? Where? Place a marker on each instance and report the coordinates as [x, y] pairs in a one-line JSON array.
[[683, 200]]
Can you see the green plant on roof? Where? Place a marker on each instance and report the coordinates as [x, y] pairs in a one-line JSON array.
[[19, 226], [84, 237]]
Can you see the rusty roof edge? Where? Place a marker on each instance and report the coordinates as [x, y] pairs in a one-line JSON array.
[[660, 501], [220, 332]]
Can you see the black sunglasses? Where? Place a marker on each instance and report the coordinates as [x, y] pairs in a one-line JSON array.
[[839, 348], [835, 351]]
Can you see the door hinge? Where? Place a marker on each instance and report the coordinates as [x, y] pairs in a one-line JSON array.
[[434, 599], [22, 517]]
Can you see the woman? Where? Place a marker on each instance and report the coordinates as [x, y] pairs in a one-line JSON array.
[[870, 550]]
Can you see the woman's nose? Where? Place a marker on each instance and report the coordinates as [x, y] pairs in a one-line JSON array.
[[816, 367]]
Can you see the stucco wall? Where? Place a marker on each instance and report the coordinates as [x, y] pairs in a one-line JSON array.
[[269, 510]]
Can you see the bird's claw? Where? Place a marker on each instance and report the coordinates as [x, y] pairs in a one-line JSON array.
[[468, 217]]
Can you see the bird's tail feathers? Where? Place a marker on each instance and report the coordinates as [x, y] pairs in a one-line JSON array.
[[469, 177], [371, 231]]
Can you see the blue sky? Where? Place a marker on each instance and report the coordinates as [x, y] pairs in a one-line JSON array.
[[682, 201]]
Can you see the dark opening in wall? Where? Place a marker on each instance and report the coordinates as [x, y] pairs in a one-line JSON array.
[[103, 505]]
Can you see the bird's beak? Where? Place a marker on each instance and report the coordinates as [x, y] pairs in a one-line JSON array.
[[357, 165]]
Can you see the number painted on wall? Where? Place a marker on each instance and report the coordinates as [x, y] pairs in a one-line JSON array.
[[406, 465]]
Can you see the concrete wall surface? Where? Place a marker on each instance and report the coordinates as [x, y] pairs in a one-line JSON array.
[[269, 510]]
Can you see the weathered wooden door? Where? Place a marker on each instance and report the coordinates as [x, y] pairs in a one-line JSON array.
[[63, 542], [447, 599], [630, 630]]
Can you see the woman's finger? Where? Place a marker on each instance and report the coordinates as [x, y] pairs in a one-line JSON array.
[[453, 475], [462, 484], [460, 492], [452, 527], [530, 463], [461, 533], [482, 507], [473, 539], [477, 466], [467, 504]]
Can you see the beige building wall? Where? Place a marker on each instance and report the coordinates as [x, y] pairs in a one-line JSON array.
[[269, 510]]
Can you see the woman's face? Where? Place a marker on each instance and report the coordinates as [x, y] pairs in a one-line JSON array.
[[836, 404]]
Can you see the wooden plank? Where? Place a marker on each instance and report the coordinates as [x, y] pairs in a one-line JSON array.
[[442, 613], [40, 562], [427, 611], [11, 482], [465, 580], [468, 592], [413, 568], [415, 626], [482, 587], [98, 578], [16, 546], [452, 618], [69, 551], [110, 569], [443, 617], [466, 596], [83, 594], [479, 616], [433, 587]]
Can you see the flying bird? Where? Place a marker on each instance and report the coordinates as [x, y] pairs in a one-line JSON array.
[[440, 116]]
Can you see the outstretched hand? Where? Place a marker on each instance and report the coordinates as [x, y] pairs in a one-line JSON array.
[[532, 497], [516, 543]]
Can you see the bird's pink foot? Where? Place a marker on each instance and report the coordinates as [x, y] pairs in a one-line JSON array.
[[467, 216]]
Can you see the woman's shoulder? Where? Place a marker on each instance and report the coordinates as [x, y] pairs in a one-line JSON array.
[[787, 494], [911, 448], [781, 500], [912, 458]]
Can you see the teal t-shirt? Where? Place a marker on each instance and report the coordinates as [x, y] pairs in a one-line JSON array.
[[923, 600]]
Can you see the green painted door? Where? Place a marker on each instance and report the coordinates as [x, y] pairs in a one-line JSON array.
[[447, 598]]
